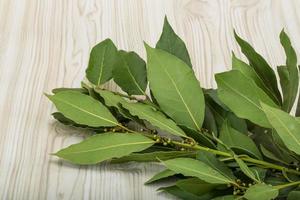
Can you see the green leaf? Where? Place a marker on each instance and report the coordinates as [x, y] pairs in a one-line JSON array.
[[156, 118], [289, 75], [271, 155], [245, 169], [196, 168], [294, 195], [171, 43], [212, 161], [176, 191], [200, 136], [286, 126], [105, 146], [243, 96], [195, 186], [251, 74], [102, 60], [238, 142], [172, 84], [226, 197], [130, 73], [161, 175], [82, 109], [261, 191], [260, 65], [82, 90], [62, 119], [154, 156]]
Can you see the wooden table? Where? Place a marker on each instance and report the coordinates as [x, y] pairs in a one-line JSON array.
[[46, 44]]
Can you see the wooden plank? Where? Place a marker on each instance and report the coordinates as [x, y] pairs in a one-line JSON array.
[[46, 44]]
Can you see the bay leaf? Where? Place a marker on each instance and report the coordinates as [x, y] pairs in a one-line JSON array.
[[243, 97], [195, 186], [238, 142], [130, 73], [156, 118], [245, 169], [251, 74], [294, 195], [105, 146], [286, 126], [82, 109], [154, 156], [196, 168], [102, 60], [212, 161], [161, 175], [260, 65], [172, 84], [261, 191], [289, 75], [170, 42], [176, 191]]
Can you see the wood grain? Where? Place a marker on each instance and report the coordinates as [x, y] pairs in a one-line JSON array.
[[46, 44]]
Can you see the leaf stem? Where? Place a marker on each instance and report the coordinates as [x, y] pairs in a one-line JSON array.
[[287, 185]]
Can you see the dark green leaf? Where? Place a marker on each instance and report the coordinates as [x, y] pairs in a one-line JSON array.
[[130, 73], [82, 90], [82, 109], [156, 118], [102, 59], [105, 146], [172, 84], [161, 175], [195, 186], [227, 197], [243, 96], [260, 65], [211, 160], [199, 136], [286, 126], [238, 142], [171, 43], [261, 191], [289, 77], [196, 168], [294, 195], [176, 191]]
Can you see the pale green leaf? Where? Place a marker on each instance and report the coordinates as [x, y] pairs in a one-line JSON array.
[[102, 60], [105, 146], [238, 142], [172, 84], [130, 73], [286, 126], [289, 75], [154, 156], [196, 168], [260, 65], [243, 96], [170, 42], [261, 191], [82, 109], [226, 197], [161, 175]]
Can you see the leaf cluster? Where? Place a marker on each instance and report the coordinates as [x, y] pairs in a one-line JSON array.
[[239, 141]]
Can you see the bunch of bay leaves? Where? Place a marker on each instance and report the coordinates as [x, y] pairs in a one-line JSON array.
[[239, 141]]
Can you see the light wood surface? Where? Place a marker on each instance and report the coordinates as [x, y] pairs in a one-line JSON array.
[[46, 44]]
